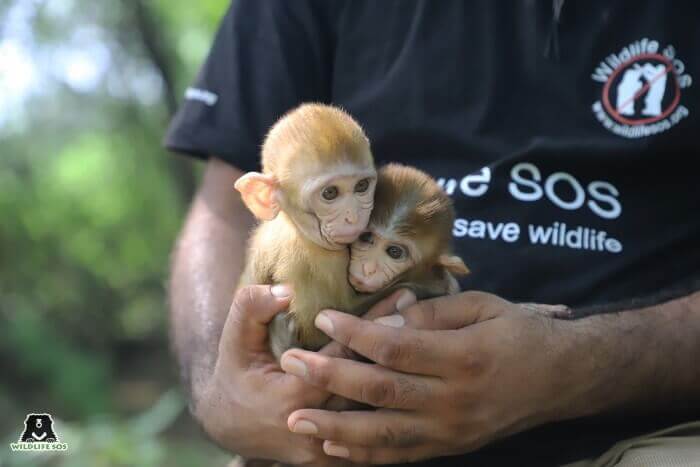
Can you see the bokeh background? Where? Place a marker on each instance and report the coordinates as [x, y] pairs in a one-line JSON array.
[[90, 205]]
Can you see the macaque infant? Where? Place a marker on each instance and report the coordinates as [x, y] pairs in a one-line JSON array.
[[313, 198], [407, 242]]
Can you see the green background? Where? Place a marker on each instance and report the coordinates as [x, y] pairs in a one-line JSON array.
[[90, 205]]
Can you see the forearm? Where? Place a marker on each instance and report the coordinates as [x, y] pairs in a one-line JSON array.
[[634, 361], [206, 263]]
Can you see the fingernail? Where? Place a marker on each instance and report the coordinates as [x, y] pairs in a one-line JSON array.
[[324, 323], [305, 427], [293, 366], [281, 291], [335, 450], [395, 321], [406, 299]]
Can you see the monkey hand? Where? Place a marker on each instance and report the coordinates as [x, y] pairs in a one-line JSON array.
[[453, 374], [245, 405]]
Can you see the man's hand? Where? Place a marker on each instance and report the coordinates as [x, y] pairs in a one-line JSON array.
[[476, 369], [246, 403]]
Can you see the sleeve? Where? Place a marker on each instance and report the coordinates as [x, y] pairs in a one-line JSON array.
[[268, 56]]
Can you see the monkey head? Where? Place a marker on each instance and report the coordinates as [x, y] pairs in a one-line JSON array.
[[409, 232], [318, 170]]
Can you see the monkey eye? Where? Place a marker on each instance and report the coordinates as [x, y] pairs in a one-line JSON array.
[[362, 185], [395, 252], [366, 237], [330, 193]]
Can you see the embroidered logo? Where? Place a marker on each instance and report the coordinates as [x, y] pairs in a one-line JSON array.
[[642, 89]]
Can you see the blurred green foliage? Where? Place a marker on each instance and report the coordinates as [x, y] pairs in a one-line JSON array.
[[89, 208]]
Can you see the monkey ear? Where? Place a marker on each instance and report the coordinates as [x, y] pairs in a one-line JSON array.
[[259, 194], [453, 264]]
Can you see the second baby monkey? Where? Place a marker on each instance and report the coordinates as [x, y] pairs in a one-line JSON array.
[[407, 241]]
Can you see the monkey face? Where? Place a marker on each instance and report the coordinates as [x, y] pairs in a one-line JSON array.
[[341, 202], [377, 260]]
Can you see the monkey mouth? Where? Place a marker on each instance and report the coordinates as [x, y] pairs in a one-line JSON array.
[[344, 236], [344, 239], [360, 285]]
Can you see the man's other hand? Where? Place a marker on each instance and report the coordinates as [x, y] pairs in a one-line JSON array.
[[451, 374]]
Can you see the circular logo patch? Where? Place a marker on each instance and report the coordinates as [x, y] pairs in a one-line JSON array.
[[642, 90]]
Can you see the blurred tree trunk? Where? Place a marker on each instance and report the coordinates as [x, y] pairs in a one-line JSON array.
[[153, 43]]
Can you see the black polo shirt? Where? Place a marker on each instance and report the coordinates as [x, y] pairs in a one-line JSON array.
[[567, 137]]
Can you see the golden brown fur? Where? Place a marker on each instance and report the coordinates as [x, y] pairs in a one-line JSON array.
[[411, 204], [317, 135], [308, 141], [279, 255]]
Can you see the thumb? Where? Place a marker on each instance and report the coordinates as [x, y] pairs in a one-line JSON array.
[[448, 312], [245, 331]]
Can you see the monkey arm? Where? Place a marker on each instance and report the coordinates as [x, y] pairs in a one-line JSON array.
[[422, 287], [430, 284], [206, 264]]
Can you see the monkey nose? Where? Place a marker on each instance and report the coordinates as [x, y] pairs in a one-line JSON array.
[[351, 217], [369, 268]]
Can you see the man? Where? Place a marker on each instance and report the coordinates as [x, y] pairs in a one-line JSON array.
[[565, 193]]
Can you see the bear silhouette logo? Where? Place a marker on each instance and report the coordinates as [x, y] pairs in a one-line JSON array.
[[38, 427]]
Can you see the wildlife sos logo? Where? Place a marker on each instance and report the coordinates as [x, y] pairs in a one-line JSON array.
[[642, 89], [39, 435]]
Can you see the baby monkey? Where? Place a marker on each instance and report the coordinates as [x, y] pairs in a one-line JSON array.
[[407, 242], [314, 198]]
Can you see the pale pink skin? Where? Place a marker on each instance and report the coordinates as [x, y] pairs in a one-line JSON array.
[[372, 268], [344, 217]]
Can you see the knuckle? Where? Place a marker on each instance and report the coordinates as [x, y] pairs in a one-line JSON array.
[[387, 352], [427, 313], [346, 334], [400, 351], [379, 393], [386, 435], [284, 409], [402, 436], [476, 300], [320, 372], [411, 392], [475, 295], [407, 436], [473, 363], [244, 299], [293, 397], [430, 312], [333, 431], [422, 315], [308, 443], [306, 451]]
